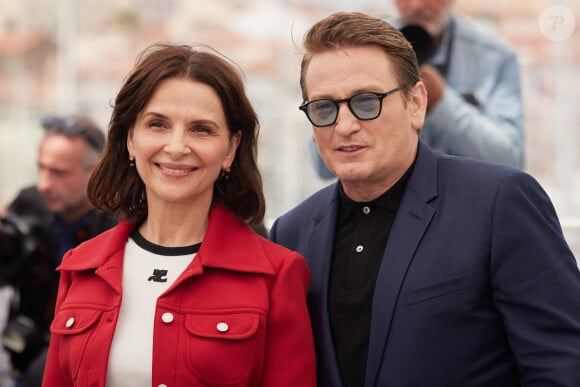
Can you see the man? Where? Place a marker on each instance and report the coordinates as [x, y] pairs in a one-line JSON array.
[[57, 206], [474, 97], [427, 269]]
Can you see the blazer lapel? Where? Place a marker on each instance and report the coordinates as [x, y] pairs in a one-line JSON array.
[[412, 220], [319, 251]]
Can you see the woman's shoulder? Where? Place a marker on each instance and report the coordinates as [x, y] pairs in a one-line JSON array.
[[96, 250], [280, 256]]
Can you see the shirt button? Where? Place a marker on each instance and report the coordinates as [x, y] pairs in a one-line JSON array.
[[359, 248], [162, 385], [70, 322], [366, 210], [222, 327], [167, 317]]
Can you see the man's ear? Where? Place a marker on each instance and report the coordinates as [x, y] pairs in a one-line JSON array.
[[417, 105]]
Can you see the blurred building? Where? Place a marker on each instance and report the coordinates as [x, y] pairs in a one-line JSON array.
[[67, 55]]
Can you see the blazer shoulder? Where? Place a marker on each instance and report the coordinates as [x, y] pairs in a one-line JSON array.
[[314, 206], [476, 178]]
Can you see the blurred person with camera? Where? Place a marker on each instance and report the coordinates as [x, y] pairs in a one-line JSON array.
[[474, 101], [428, 269], [43, 222]]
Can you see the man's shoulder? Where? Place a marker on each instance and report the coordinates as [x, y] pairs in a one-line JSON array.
[[315, 204], [99, 221], [92, 252], [28, 202], [460, 175], [291, 228]]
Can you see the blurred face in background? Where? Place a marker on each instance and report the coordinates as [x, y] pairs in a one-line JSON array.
[[432, 15], [63, 175]]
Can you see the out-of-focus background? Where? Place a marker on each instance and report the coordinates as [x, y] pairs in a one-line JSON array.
[[65, 56]]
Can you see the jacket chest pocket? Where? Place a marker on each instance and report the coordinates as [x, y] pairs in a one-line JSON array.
[[223, 347], [74, 328], [454, 285]]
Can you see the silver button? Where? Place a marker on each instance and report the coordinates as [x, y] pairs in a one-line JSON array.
[[222, 327], [167, 317], [359, 248], [70, 322], [366, 210]]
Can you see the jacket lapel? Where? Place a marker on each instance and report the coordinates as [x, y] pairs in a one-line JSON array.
[[412, 220], [319, 252], [228, 244], [103, 253]]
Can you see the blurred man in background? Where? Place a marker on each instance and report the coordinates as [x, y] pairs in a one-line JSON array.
[[474, 106], [46, 220]]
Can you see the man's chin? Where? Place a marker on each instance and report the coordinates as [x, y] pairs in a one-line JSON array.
[[53, 207], [350, 173]]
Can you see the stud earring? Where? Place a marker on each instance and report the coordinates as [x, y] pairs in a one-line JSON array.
[[131, 162]]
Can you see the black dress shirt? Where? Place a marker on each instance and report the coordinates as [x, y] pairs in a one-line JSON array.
[[362, 233]]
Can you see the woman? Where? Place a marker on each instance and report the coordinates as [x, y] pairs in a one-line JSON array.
[[182, 292]]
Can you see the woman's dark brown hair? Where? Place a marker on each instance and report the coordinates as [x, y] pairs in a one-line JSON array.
[[116, 187]]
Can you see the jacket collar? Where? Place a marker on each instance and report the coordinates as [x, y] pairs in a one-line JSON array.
[[411, 222], [228, 244], [423, 180]]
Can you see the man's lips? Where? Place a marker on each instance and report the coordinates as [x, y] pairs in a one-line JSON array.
[[349, 148]]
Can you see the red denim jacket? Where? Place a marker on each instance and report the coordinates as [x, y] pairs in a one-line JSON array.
[[256, 287]]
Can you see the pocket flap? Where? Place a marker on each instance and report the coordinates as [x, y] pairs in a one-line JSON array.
[[449, 286], [74, 321], [223, 326]]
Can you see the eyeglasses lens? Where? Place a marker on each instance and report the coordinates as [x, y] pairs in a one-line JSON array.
[[323, 112], [365, 106]]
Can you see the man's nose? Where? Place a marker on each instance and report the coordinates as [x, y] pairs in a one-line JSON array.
[[43, 181], [346, 122]]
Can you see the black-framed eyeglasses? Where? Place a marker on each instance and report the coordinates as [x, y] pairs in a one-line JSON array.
[[364, 106]]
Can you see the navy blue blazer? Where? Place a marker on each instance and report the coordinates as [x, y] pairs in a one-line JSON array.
[[477, 286]]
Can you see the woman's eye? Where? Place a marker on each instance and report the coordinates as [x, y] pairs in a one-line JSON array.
[[202, 129], [155, 124]]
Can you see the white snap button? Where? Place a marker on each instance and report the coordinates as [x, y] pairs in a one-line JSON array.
[[162, 385], [70, 322], [359, 248], [222, 327], [366, 210], [167, 317]]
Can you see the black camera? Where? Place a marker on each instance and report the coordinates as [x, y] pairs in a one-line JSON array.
[[421, 41], [21, 240], [26, 265]]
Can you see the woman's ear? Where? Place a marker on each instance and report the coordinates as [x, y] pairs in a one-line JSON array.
[[233, 146], [130, 145]]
